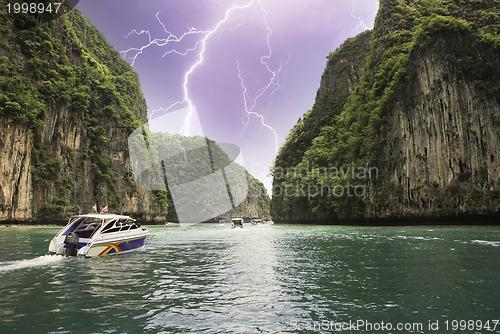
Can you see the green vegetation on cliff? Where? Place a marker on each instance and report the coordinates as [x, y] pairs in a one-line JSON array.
[[330, 99], [193, 166], [350, 134], [64, 86], [47, 66]]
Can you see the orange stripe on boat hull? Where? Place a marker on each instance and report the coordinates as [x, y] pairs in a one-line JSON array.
[[110, 247]]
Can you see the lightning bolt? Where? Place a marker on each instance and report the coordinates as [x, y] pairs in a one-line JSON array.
[[272, 85], [361, 26], [249, 110], [270, 88], [160, 42]]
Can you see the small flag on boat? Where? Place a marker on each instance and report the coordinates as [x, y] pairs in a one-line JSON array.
[[95, 207], [105, 209]]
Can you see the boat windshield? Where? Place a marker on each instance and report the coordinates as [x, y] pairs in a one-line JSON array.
[[88, 227], [120, 225]]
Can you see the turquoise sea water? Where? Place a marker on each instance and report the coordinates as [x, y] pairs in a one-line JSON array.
[[263, 279]]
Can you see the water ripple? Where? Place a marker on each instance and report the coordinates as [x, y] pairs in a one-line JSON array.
[[208, 279]]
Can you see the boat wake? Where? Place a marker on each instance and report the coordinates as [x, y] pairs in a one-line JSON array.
[[486, 242], [29, 263]]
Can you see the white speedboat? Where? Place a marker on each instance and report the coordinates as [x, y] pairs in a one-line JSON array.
[[237, 223], [96, 234]]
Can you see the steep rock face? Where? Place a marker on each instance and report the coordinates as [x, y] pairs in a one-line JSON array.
[[67, 105], [15, 185], [257, 203], [202, 178], [443, 137], [424, 115], [342, 75]]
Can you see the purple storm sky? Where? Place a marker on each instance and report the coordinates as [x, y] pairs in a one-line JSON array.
[[259, 71]]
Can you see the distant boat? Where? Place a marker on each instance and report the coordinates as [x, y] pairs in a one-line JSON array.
[[222, 222], [257, 222], [237, 223], [96, 234]]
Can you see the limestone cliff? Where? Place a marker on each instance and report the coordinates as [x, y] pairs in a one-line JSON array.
[[341, 76], [15, 188], [440, 154], [68, 104], [424, 114]]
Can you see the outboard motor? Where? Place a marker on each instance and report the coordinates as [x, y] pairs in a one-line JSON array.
[[71, 242]]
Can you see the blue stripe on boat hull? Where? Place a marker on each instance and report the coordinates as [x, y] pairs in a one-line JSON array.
[[116, 247]]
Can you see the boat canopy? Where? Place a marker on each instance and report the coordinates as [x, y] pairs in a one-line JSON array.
[[102, 216], [86, 225]]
